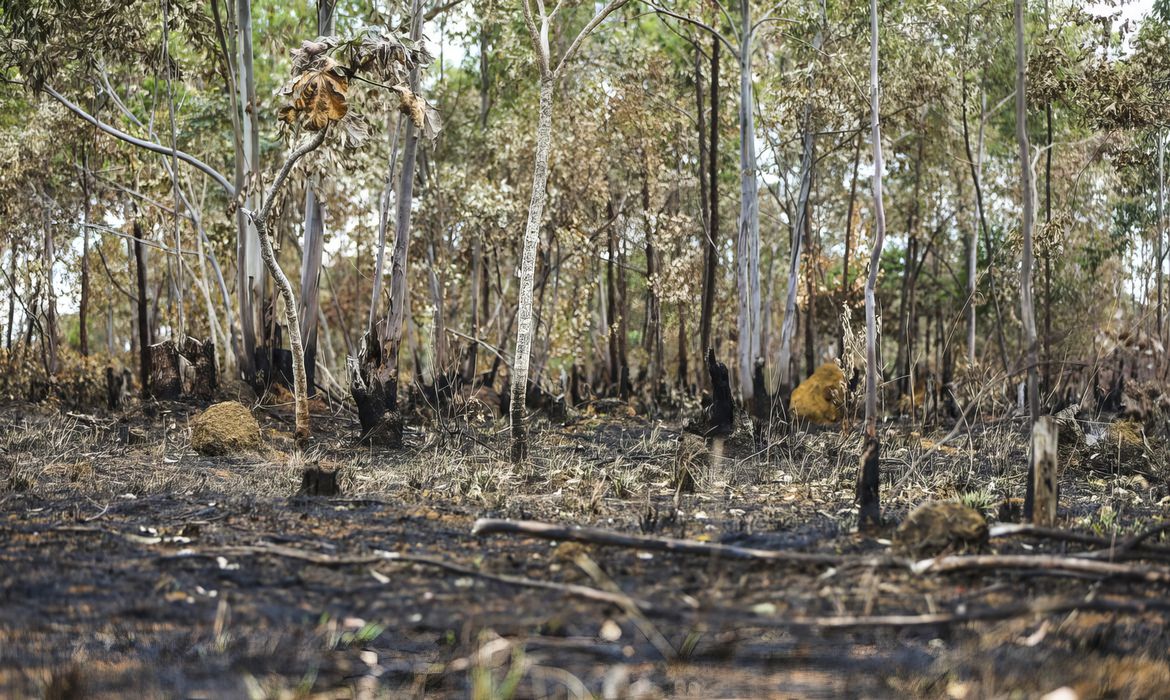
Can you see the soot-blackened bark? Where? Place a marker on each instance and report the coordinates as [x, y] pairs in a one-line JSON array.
[[143, 322], [868, 484], [373, 383], [721, 420], [166, 379]]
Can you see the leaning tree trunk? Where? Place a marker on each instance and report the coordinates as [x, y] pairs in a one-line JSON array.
[[1027, 310], [519, 378], [869, 478], [260, 220]]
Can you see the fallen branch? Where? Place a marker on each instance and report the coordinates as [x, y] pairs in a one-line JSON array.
[[379, 557], [1133, 546], [589, 535], [1040, 607], [1042, 563]]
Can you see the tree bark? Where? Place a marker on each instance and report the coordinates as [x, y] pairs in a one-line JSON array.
[[143, 324], [869, 481], [748, 240], [848, 240], [519, 378], [260, 221], [1027, 310], [711, 253]]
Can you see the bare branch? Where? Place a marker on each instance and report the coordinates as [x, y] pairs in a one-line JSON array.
[[148, 145]]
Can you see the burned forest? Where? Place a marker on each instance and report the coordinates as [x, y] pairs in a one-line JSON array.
[[613, 349]]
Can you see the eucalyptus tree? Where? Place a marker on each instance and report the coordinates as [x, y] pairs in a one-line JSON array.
[[538, 20], [1028, 204], [869, 476]]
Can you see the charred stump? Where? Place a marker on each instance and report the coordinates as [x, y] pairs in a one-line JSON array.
[[316, 481], [205, 378], [373, 383], [719, 414], [166, 376], [869, 485], [115, 386]]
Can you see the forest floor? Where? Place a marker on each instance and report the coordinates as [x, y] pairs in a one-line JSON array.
[[147, 570]]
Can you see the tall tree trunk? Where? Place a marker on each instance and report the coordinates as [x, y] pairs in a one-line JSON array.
[[788, 326], [975, 161], [849, 239], [314, 243], [312, 252], [11, 298], [711, 252], [906, 313], [653, 342], [83, 307], [50, 331], [799, 233], [250, 268], [519, 378], [1027, 310], [143, 322], [748, 241], [611, 300], [869, 477], [1161, 228], [1048, 148], [284, 287]]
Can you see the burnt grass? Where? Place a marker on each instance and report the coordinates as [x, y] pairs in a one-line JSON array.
[[123, 571]]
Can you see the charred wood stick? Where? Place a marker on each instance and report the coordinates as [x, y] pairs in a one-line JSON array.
[[1041, 563], [380, 557], [1132, 546], [1039, 607], [609, 538]]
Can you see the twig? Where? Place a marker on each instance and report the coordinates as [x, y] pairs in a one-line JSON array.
[[487, 526]]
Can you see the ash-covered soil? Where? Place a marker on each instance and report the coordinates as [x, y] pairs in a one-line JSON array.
[[147, 570]]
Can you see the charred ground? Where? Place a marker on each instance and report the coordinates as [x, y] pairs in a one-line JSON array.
[[150, 570]]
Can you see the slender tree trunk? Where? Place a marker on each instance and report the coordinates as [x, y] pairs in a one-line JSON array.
[[50, 331], [975, 161], [788, 327], [11, 298], [711, 253], [143, 322], [906, 313], [83, 307], [869, 481], [849, 239], [748, 241], [1048, 148], [653, 342], [250, 267], [519, 377], [1027, 310], [314, 242], [611, 300], [1161, 229]]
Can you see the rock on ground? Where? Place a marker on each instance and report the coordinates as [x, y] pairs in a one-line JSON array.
[[225, 428]]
